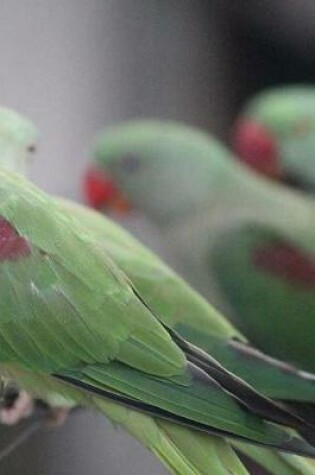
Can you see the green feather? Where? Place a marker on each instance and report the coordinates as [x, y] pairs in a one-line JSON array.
[[236, 249], [181, 449], [276, 463], [69, 295], [198, 194], [183, 309]]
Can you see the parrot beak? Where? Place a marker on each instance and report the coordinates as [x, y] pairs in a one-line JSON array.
[[255, 145], [102, 193]]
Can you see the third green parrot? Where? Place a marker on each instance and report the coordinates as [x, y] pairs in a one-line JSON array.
[[275, 134]]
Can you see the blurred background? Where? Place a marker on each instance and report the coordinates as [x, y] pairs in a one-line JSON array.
[[76, 66]]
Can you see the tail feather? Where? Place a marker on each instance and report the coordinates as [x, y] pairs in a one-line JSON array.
[[307, 412], [181, 450], [274, 378], [276, 463], [304, 410], [206, 453], [246, 395], [202, 405]]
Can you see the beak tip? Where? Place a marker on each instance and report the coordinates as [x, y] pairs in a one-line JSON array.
[[101, 192]]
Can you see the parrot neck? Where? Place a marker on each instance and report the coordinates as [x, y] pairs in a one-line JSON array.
[[289, 212], [12, 162], [240, 194]]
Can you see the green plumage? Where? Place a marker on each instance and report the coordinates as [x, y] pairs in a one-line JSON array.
[[201, 197], [68, 312], [246, 249], [273, 462], [48, 289], [205, 328], [195, 320], [183, 309]]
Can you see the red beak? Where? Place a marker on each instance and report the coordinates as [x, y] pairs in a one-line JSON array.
[[255, 145], [101, 192]]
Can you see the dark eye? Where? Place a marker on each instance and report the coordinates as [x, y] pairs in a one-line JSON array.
[[130, 163], [31, 148]]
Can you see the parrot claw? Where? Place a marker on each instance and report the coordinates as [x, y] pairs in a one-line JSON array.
[[17, 406], [57, 416]]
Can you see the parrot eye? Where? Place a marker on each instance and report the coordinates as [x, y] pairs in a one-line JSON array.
[[130, 163], [31, 148]]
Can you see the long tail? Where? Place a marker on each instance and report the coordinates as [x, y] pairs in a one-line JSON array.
[[246, 394], [183, 451], [276, 463]]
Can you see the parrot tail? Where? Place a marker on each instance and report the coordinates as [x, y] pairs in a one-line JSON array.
[[182, 450], [242, 391], [275, 463]]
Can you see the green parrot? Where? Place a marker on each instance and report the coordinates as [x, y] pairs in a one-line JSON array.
[[18, 140], [275, 134], [230, 228], [73, 324]]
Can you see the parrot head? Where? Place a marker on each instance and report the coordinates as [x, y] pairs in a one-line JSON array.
[[160, 168], [275, 135], [18, 141]]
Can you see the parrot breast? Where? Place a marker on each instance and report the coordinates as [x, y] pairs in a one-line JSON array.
[[12, 245]]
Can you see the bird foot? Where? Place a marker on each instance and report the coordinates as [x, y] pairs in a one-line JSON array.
[[57, 416], [17, 406]]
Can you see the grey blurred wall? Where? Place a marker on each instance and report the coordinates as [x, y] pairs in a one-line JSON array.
[[74, 66], [59, 65]]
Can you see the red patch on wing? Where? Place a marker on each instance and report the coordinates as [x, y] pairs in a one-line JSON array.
[[254, 145], [12, 245], [286, 262]]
